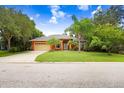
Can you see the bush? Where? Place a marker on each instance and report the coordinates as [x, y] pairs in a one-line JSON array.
[[14, 49], [53, 41]]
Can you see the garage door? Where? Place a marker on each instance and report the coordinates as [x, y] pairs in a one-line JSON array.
[[39, 47]]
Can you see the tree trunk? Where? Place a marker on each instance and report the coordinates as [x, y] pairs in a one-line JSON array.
[[8, 44], [79, 42]]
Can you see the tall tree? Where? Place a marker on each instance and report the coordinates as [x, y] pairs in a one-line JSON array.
[[79, 28], [17, 27], [37, 33], [114, 15], [110, 36], [8, 26]]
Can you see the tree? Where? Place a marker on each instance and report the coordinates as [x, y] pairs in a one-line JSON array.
[[96, 43], [99, 17], [17, 28], [26, 29], [79, 29], [114, 15], [117, 13], [73, 44], [53, 41], [8, 26], [110, 36], [37, 33]]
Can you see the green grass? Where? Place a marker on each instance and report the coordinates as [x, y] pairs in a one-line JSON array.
[[7, 53], [74, 56]]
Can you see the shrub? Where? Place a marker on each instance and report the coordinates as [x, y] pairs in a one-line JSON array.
[[74, 44], [14, 49], [53, 41]]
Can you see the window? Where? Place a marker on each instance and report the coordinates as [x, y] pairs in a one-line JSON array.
[[58, 46]]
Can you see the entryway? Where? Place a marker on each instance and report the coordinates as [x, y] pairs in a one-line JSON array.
[[65, 46]]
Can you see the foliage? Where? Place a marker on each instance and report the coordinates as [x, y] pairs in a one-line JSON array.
[[6, 53], [113, 15], [37, 33], [14, 49], [16, 28], [53, 41], [104, 32], [74, 44], [110, 35], [79, 28], [106, 37], [95, 43], [8, 26]]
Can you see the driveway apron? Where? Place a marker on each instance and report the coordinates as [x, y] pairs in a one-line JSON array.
[[22, 57]]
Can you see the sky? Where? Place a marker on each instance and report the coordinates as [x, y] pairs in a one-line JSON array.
[[55, 19]]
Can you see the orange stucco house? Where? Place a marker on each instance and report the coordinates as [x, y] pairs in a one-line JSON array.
[[40, 43]]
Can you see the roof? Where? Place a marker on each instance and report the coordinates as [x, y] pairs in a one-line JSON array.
[[46, 38]]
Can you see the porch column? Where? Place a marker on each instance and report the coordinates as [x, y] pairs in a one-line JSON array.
[[62, 45]]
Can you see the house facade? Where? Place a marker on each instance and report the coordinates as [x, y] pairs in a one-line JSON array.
[[40, 43]]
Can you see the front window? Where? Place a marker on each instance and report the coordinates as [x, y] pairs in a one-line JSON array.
[[58, 46]]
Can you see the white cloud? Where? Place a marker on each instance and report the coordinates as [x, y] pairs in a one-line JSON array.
[[83, 7], [94, 12], [61, 14], [31, 18], [69, 15], [55, 7], [37, 15], [53, 20], [56, 13], [99, 8]]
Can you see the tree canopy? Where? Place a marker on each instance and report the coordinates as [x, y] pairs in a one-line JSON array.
[[104, 32], [16, 28], [53, 41]]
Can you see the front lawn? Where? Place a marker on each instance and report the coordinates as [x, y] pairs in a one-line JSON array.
[[6, 53], [74, 56]]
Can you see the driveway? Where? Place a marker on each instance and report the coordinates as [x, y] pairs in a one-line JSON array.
[[62, 75], [22, 57]]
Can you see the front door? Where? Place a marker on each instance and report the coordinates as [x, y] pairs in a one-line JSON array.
[[65, 46]]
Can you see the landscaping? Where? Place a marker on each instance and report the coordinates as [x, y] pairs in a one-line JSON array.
[[6, 53], [74, 56]]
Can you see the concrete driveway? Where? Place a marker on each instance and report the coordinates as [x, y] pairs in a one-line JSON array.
[[22, 57], [62, 75]]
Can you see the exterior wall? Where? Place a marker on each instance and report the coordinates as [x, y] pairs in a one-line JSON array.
[[42, 45], [33, 44]]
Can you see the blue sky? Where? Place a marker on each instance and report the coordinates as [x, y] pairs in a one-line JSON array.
[[55, 19]]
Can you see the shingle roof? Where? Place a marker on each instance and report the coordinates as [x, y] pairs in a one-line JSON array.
[[46, 38]]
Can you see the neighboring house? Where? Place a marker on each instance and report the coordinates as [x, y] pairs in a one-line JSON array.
[[40, 43]]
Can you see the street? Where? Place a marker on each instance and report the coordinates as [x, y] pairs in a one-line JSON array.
[[62, 75]]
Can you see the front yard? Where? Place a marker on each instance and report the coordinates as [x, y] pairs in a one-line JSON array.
[[74, 56], [5, 53]]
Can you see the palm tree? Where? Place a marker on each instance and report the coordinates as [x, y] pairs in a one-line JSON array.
[[78, 28]]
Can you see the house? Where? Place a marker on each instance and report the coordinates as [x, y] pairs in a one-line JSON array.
[[40, 43]]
